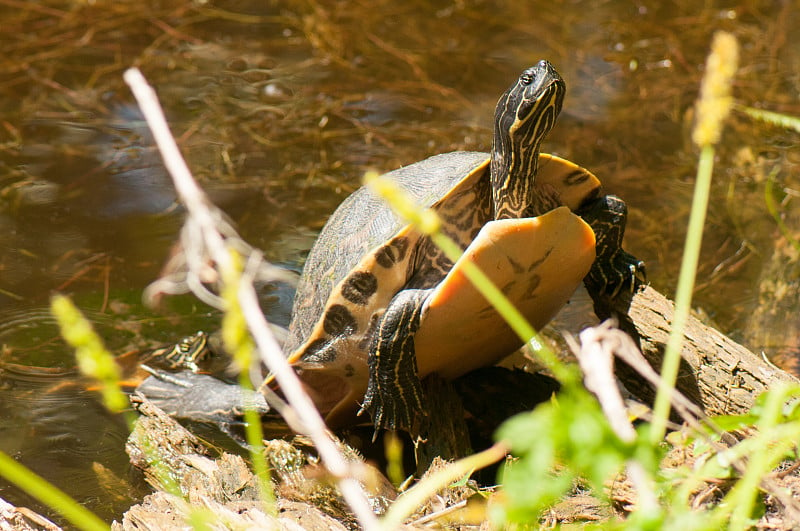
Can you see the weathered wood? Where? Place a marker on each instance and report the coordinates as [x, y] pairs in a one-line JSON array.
[[225, 487], [716, 373], [166, 441], [23, 519]]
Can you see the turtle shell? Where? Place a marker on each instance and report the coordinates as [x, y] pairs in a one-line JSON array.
[[366, 254], [363, 225]]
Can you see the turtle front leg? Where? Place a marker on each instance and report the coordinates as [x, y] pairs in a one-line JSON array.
[[394, 391], [615, 272]]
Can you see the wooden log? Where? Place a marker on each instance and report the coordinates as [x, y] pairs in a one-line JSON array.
[[23, 519], [224, 486], [716, 373]]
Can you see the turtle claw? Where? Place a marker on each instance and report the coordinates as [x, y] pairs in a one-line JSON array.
[[614, 272], [638, 274], [623, 274], [391, 410]]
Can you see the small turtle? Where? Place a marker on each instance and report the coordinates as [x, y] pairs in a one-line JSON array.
[[378, 306], [185, 354]]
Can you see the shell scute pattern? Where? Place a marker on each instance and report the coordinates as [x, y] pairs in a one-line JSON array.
[[365, 255], [561, 182], [468, 209], [364, 229], [359, 287], [576, 177], [338, 321], [392, 253], [315, 352], [534, 281], [344, 325]]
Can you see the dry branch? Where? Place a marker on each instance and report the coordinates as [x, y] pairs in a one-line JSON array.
[[202, 232], [716, 373]]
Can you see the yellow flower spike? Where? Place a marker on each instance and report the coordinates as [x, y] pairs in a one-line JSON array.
[[234, 329], [715, 100], [712, 108], [92, 357]]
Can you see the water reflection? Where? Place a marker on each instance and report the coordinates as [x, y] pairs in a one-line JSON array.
[[51, 422], [280, 108]]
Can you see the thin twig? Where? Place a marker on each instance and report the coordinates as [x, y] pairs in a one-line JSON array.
[[416, 496], [438, 514], [596, 358], [203, 221], [302, 405]]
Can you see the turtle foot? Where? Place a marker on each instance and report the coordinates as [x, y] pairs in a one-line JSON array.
[[621, 276], [394, 392], [615, 272], [394, 411]]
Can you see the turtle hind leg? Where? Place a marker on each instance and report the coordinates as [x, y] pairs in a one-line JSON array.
[[394, 392], [615, 272]]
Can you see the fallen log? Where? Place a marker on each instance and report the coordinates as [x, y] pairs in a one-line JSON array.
[[23, 519], [716, 373]]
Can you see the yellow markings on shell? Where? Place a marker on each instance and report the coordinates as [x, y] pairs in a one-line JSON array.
[[389, 281], [572, 183]]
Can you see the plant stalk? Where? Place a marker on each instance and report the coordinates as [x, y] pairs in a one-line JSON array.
[[683, 296]]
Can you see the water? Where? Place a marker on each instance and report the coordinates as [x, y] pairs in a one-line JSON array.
[[280, 109]]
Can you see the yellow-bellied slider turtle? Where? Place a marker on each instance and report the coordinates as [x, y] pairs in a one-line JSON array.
[[378, 306]]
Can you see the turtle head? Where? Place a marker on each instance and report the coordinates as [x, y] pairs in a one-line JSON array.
[[523, 117]]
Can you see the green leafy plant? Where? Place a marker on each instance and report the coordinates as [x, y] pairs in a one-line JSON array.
[[560, 443]]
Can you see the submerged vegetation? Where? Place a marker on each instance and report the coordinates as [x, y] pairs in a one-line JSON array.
[[275, 107]]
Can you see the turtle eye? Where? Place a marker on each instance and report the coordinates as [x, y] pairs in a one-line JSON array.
[[527, 77]]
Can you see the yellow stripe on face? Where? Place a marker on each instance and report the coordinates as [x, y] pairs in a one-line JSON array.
[[513, 188]]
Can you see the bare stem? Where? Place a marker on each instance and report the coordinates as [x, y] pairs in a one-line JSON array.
[[712, 108], [205, 217], [416, 496], [313, 424]]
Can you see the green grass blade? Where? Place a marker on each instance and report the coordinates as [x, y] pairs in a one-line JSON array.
[[712, 107], [238, 341], [50, 495], [781, 120], [507, 310], [93, 359], [426, 221], [683, 295]]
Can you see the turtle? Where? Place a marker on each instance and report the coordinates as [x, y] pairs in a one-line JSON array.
[[185, 354], [378, 306]]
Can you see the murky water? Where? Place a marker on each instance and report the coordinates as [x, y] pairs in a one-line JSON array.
[[280, 109]]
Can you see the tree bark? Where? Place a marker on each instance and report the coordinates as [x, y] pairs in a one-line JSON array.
[[716, 373]]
